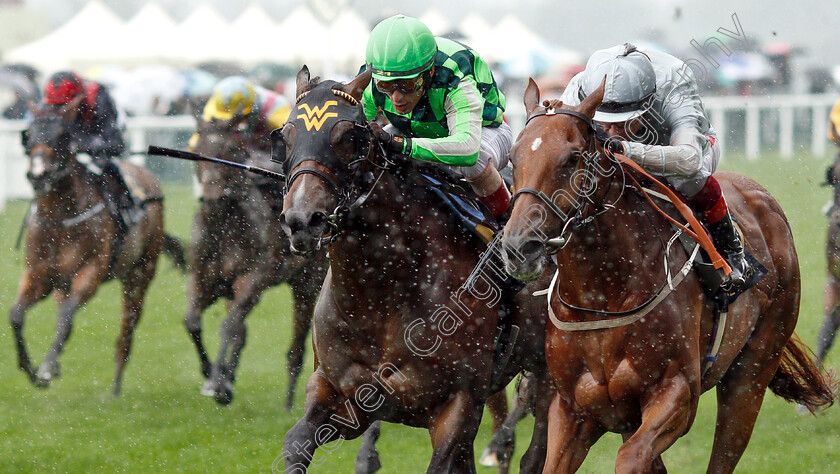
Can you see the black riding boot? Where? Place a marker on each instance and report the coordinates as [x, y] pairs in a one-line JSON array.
[[728, 242], [121, 197]]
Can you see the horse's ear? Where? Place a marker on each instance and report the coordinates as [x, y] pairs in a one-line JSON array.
[[70, 111], [357, 86], [532, 96], [303, 84], [593, 100]]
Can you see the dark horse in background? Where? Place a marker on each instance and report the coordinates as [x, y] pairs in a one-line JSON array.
[[831, 291], [396, 336], [619, 362], [72, 245], [237, 251]]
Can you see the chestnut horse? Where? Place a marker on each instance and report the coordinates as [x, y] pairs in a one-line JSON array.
[[642, 378], [237, 251], [71, 244], [396, 336]]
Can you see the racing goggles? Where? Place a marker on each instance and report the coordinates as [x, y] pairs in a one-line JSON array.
[[405, 86]]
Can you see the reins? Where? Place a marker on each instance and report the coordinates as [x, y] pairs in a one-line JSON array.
[[620, 318]]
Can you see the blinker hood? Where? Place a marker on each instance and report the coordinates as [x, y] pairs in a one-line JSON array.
[[314, 117]]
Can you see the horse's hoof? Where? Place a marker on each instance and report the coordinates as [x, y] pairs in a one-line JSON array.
[[489, 458], [40, 382], [802, 410], [49, 372], [208, 389], [224, 394]]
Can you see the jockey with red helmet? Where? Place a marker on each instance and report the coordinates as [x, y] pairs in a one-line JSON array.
[[654, 115], [96, 131]]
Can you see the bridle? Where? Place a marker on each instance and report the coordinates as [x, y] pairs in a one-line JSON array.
[[351, 183], [58, 142], [586, 210], [232, 188]]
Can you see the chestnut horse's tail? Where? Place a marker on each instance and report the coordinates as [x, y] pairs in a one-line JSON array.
[[173, 248], [799, 378]]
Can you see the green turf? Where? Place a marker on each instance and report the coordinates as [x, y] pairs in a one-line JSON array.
[[162, 424]]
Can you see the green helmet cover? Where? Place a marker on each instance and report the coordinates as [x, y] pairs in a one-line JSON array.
[[400, 47]]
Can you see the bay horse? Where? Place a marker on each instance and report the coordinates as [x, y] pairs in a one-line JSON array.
[[71, 246], [237, 251], [643, 378], [396, 336]]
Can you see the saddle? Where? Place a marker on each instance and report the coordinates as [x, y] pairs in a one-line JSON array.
[[456, 196]]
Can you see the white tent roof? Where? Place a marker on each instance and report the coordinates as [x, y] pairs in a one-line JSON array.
[[253, 36], [309, 41], [477, 32], [203, 36], [149, 35], [348, 39], [510, 36], [74, 43], [436, 22]]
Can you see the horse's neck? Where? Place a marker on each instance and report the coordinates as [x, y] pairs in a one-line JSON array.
[[620, 251], [384, 240], [69, 197]]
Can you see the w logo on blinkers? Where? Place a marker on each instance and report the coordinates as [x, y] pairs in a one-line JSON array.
[[316, 116]]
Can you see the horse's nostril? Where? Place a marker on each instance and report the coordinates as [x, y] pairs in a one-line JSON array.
[[532, 247], [318, 221]]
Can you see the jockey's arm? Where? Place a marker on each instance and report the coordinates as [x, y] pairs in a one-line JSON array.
[[103, 139], [683, 114], [463, 107], [683, 157]]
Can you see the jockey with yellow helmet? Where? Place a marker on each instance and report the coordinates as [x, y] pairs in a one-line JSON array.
[[442, 103], [253, 111], [654, 115]]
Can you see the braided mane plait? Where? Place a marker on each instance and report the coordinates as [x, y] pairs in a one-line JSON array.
[[345, 96], [552, 104], [300, 97]]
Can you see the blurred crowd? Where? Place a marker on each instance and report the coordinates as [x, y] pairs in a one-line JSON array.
[[141, 91], [167, 90]]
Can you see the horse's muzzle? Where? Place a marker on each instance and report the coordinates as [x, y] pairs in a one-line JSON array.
[[304, 229], [523, 258]]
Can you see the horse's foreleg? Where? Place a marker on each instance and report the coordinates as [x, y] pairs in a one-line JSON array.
[[305, 295], [500, 449], [30, 291], [831, 303], [134, 291], [329, 419], [367, 459], [538, 394], [666, 416], [570, 435], [82, 289], [453, 433], [198, 299], [658, 465], [232, 335]]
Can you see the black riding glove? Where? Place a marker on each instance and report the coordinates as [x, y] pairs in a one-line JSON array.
[[615, 146], [393, 143]]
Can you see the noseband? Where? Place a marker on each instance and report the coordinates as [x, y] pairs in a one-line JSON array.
[[318, 113], [48, 130]]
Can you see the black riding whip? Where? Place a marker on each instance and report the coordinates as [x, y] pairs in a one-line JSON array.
[[187, 155]]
